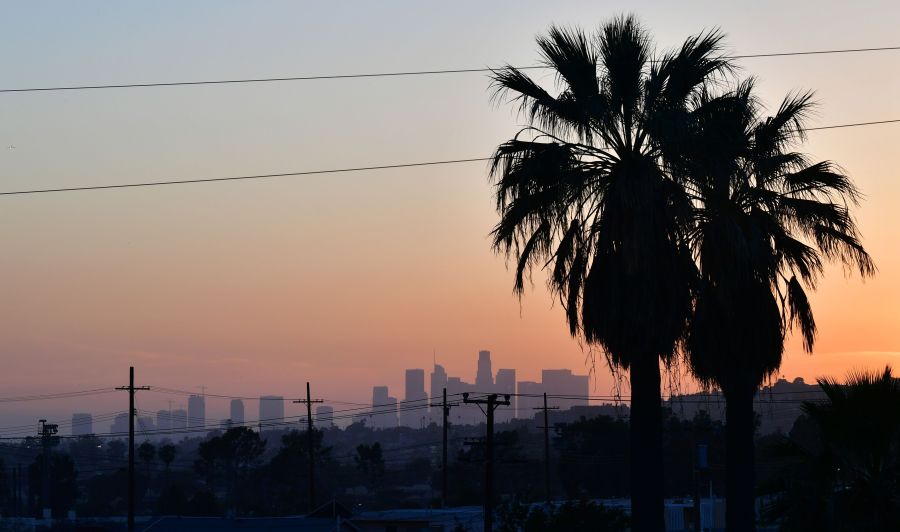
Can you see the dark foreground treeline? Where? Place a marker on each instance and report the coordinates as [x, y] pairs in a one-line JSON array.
[[240, 472]]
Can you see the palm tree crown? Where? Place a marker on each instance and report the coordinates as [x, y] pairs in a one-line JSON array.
[[583, 189], [766, 220]]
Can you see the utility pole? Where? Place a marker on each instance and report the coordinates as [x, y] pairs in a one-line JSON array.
[[491, 403], [312, 453], [47, 433], [446, 411], [131, 388], [546, 427]]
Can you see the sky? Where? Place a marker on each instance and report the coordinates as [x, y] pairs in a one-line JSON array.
[[255, 287]]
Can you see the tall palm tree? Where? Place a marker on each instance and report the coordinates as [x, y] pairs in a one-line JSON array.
[[583, 191], [765, 221]]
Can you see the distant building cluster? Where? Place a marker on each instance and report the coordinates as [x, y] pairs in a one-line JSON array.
[[417, 408], [777, 405]]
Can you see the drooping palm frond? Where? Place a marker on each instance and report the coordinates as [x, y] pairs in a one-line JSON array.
[[537, 246], [846, 247], [822, 178], [801, 313]]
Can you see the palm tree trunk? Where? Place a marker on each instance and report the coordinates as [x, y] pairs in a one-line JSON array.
[[740, 479], [647, 504]]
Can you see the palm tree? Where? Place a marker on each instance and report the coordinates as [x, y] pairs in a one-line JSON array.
[[765, 221], [860, 425], [584, 191]]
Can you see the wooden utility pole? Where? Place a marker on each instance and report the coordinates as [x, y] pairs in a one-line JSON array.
[[491, 403], [445, 407], [545, 408], [131, 413], [47, 433], [312, 453]]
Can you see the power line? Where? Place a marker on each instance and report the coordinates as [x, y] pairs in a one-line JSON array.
[[61, 395], [856, 124], [332, 170], [246, 177], [286, 420], [390, 74]]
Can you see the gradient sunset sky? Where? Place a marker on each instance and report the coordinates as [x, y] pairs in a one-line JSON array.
[[255, 287]]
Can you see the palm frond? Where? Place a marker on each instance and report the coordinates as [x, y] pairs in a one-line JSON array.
[[846, 247], [561, 116], [570, 53], [801, 313], [786, 125], [809, 213], [821, 178], [564, 255], [574, 287], [624, 50], [535, 248], [691, 68], [801, 259]]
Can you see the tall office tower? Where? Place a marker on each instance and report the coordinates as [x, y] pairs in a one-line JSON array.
[[384, 408], [120, 424], [164, 420], [179, 419], [416, 401], [196, 411], [271, 411], [530, 397], [237, 412], [379, 405], [506, 384], [82, 424], [324, 417], [484, 379], [438, 383], [562, 382], [390, 417]]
